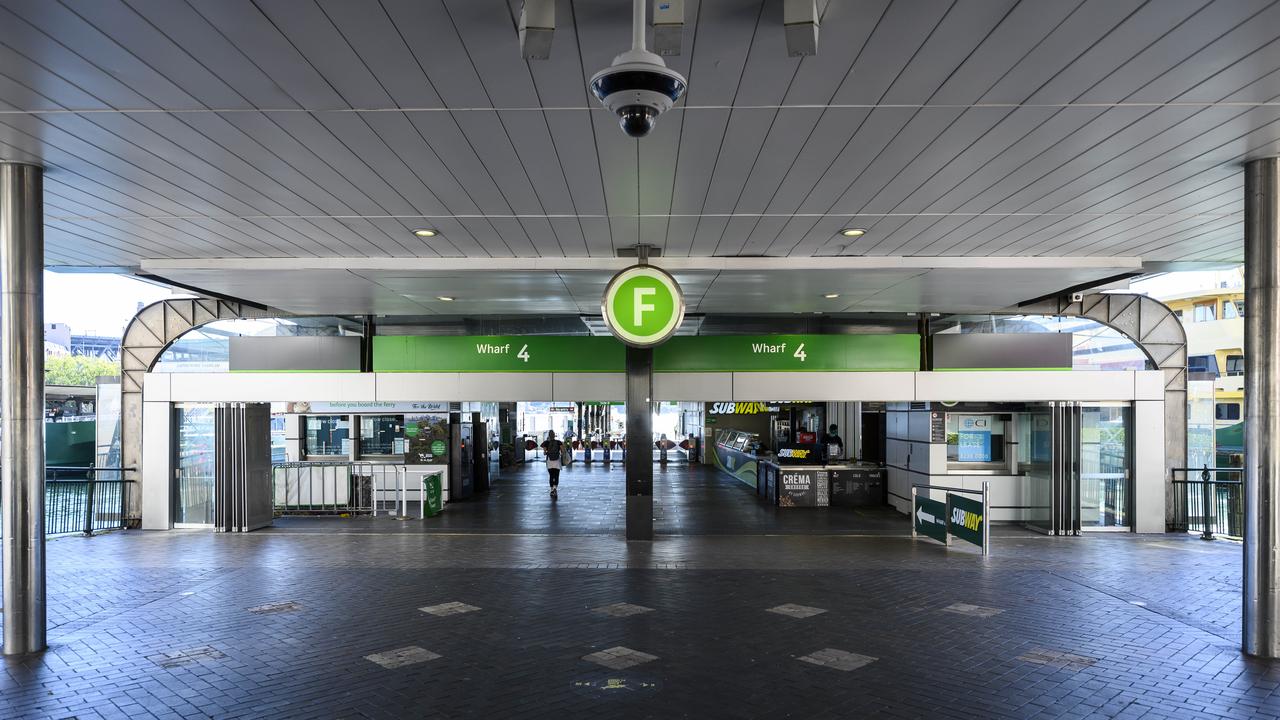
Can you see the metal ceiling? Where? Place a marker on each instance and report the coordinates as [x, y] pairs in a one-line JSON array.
[[331, 128]]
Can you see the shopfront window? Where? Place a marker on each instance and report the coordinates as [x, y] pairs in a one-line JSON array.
[[328, 435], [381, 435], [976, 440]]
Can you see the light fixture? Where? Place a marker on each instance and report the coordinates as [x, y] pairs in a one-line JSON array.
[[853, 232], [425, 232], [831, 296], [444, 298]]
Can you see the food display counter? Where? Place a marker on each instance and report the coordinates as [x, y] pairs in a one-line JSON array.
[[848, 485]]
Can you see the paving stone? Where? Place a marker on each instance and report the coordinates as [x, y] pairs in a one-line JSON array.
[[972, 610], [178, 658], [278, 607], [619, 658], [449, 608], [402, 657], [842, 660], [796, 611], [621, 610], [1057, 658]]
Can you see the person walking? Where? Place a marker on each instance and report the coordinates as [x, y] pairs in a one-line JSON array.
[[553, 450]]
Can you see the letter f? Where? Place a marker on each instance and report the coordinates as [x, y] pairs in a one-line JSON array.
[[642, 307]]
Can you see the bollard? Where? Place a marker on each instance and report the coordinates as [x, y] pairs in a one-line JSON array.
[[1204, 489]]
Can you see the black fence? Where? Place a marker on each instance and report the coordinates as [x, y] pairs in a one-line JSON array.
[[1209, 501], [83, 499]]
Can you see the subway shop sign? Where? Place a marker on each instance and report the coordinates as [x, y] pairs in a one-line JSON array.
[[643, 306]]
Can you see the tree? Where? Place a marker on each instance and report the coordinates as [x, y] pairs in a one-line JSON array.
[[77, 370]]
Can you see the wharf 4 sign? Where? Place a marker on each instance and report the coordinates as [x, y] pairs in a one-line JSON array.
[[643, 306], [707, 353]]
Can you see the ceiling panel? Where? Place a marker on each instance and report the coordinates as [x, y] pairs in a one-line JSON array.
[[332, 128]]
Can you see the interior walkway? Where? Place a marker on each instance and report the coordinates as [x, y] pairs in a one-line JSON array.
[[687, 500], [404, 623]]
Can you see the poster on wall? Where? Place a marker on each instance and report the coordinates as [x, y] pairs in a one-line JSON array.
[[426, 439], [974, 440]]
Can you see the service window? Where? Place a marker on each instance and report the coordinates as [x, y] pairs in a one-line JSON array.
[[1226, 411], [328, 435], [381, 435], [1235, 364], [976, 441], [1205, 312]]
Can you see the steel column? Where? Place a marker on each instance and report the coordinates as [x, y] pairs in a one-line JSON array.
[[22, 405], [1261, 627], [639, 461]]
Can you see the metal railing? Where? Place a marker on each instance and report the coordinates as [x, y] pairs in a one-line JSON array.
[[1209, 500], [322, 488], [84, 499]]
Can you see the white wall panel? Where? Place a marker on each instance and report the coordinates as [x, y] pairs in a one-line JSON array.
[[1149, 472], [155, 387], [270, 387], [1148, 385], [589, 387], [1026, 385], [703, 387], [877, 386], [405, 387], [157, 465], [504, 387]]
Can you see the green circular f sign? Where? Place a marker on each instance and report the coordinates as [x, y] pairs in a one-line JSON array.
[[643, 306]]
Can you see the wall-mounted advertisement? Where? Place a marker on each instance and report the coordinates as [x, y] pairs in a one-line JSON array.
[[426, 439], [340, 407], [974, 439]]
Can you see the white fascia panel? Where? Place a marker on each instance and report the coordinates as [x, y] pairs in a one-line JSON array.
[[589, 387], [157, 463], [1149, 472], [409, 387], [155, 387], [504, 387], [693, 387], [1148, 385], [270, 387], [999, 386], [827, 386]]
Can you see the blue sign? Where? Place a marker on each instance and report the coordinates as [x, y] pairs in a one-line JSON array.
[[974, 440]]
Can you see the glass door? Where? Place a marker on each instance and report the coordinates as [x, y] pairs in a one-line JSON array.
[[194, 466], [1035, 460], [1104, 467]]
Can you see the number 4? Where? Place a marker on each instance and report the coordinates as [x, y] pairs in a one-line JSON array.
[[524, 353], [800, 353]]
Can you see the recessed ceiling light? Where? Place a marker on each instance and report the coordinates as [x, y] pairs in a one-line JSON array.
[[425, 232], [853, 232], [831, 296], [444, 298]]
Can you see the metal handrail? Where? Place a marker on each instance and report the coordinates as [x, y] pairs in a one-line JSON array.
[[1208, 481]]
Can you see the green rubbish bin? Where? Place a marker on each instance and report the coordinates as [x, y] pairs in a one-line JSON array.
[[431, 489]]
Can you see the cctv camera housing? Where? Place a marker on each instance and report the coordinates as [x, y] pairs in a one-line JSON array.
[[638, 88]]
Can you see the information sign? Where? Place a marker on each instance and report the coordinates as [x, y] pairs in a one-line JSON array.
[[643, 306]]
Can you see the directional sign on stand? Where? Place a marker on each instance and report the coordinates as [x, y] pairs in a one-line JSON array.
[[930, 518], [966, 518]]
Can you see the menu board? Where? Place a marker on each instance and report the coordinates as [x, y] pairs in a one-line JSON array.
[[803, 487]]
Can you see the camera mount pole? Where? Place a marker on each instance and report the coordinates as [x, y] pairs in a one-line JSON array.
[[637, 25]]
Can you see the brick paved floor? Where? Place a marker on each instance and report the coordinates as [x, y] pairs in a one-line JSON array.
[[283, 623]]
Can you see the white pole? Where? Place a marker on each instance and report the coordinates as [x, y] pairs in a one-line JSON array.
[[637, 25]]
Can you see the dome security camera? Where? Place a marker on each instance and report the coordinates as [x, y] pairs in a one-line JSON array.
[[637, 87]]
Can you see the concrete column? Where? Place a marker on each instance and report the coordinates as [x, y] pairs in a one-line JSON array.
[[639, 444], [22, 405], [1261, 627]]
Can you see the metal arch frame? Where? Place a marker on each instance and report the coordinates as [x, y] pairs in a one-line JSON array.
[[151, 331], [1156, 330]]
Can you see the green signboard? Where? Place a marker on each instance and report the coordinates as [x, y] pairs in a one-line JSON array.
[[710, 353], [788, 353], [497, 353], [966, 518], [643, 306], [930, 518]]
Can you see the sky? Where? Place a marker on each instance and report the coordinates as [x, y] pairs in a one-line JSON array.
[[96, 303]]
